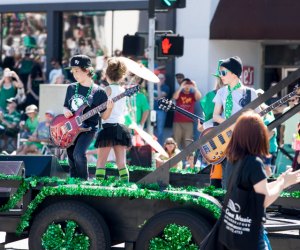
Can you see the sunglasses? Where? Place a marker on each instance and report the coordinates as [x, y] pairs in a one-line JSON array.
[[168, 143], [223, 72]]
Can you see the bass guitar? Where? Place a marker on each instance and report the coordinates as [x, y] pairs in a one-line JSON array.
[[64, 131], [213, 151]]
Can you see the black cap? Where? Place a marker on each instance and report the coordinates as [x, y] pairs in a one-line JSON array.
[[12, 99], [179, 75], [234, 64], [81, 61]]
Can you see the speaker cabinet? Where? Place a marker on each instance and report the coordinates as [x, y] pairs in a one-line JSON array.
[[38, 165], [10, 168]]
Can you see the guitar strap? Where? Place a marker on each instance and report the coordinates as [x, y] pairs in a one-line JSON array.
[[90, 98], [90, 102]]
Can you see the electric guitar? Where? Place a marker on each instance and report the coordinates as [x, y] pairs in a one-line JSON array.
[[64, 131], [167, 105], [213, 151]]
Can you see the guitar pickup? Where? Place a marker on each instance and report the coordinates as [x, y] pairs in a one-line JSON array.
[[78, 120], [68, 126]]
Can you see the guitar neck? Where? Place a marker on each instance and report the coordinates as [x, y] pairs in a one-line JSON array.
[[188, 114], [277, 103], [99, 108]]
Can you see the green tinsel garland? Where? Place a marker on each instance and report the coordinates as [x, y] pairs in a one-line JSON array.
[[119, 190], [95, 188], [174, 237], [55, 238]]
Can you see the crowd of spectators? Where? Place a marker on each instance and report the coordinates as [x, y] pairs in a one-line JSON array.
[[22, 73]]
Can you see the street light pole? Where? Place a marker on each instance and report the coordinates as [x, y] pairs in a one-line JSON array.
[[151, 55]]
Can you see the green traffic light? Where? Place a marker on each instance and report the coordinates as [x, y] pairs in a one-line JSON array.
[[169, 2]]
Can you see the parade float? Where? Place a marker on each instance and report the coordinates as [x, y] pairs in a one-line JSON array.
[[158, 209]]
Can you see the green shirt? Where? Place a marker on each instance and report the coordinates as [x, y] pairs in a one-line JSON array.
[[6, 94], [272, 141], [208, 105], [13, 118], [31, 125], [142, 105]]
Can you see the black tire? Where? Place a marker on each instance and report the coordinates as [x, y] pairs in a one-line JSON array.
[[155, 226], [88, 220]]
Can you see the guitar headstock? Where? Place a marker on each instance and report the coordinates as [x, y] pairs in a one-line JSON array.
[[297, 89], [165, 104], [131, 91]]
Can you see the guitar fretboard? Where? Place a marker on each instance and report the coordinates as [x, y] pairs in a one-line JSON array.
[[189, 114], [277, 103]]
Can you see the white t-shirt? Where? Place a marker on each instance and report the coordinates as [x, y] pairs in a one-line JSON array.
[[240, 98], [119, 110]]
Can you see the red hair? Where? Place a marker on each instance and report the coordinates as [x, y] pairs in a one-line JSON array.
[[249, 137]]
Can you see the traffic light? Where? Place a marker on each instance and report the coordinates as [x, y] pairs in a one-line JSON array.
[[169, 4], [170, 45], [133, 45]]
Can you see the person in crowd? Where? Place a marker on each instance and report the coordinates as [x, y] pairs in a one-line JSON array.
[[296, 147], [161, 89], [273, 145], [114, 133], [277, 111], [190, 162], [207, 103], [289, 127], [35, 78], [138, 105], [179, 77], [208, 106], [56, 75], [9, 84], [171, 148], [83, 91], [39, 137], [186, 97], [24, 66], [9, 122], [250, 142], [31, 122], [232, 97]]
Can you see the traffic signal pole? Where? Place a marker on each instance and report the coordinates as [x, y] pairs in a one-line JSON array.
[[151, 56]]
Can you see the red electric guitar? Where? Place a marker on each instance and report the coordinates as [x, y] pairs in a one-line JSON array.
[[213, 151], [64, 131]]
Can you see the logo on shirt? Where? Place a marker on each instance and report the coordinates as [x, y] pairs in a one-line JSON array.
[[186, 100], [234, 206], [75, 105]]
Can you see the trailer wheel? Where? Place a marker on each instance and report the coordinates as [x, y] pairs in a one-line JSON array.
[[198, 226], [87, 223]]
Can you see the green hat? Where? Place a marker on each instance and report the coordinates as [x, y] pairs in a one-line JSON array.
[[217, 74]]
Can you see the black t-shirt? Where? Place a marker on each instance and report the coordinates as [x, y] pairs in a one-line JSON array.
[[96, 98], [253, 171]]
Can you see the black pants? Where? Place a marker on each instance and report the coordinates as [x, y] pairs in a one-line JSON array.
[[77, 157]]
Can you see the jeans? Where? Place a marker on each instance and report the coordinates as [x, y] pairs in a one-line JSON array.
[[77, 157], [263, 241], [160, 125]]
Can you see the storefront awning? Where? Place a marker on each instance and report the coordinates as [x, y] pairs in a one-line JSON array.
[[256, 19]]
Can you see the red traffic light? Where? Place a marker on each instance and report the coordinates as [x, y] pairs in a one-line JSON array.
[[171, 45]]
